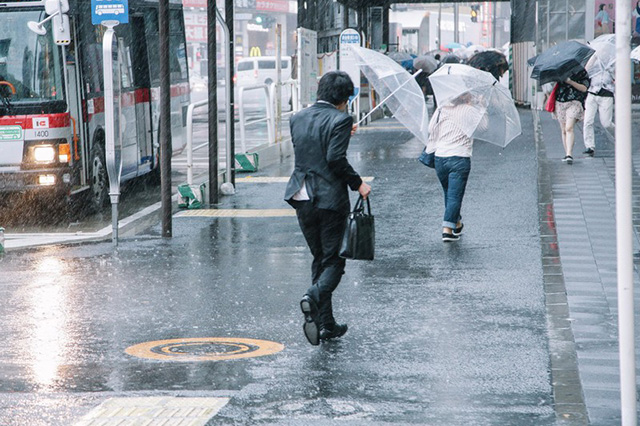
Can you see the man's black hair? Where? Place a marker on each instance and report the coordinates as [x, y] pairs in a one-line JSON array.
[[335, 87]]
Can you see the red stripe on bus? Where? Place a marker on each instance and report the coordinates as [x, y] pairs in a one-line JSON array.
[[138, 96], [60, 120]]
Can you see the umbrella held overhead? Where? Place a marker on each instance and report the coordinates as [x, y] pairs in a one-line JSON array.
[[398, 89], [494, 117], [560, 61]]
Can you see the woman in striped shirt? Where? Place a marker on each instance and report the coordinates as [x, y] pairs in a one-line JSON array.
[[452, 149]]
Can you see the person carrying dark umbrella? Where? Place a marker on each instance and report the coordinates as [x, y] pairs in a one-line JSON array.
[[569, 108], [564, 64]]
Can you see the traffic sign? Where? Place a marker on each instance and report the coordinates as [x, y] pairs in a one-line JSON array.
[[109, 10]]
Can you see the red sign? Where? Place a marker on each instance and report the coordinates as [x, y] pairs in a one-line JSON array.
[[273, 5]]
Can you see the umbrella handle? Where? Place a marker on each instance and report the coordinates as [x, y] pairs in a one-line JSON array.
[[386, 99]]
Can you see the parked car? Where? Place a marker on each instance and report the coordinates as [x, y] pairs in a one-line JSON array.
[[262, 70]]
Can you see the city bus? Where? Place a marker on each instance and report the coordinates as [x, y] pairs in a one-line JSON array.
[[52, 102]]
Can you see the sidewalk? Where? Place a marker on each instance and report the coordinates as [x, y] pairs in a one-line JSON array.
[[583, 261]]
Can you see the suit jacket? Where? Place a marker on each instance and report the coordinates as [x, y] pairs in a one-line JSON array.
[[320, 135]]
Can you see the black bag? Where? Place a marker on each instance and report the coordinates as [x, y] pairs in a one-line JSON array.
[[360, 234], [428, 160]]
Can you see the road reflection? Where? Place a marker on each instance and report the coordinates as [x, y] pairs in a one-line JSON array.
[[46, 309]]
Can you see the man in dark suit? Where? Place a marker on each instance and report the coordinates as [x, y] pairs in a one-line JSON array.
[[318, 190]]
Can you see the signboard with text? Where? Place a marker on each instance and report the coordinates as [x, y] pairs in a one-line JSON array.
[[308, 65]]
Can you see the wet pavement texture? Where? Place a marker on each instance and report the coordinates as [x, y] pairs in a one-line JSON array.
[[439, 334]]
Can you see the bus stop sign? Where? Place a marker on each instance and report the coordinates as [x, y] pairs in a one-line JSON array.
[[109, 10]]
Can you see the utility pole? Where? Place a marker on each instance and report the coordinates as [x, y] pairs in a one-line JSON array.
[[228, 18], [624, 216], [212, 72], [165, 119], [456, 18]]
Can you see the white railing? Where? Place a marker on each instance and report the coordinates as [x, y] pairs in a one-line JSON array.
[[189, 146], [269, 118]]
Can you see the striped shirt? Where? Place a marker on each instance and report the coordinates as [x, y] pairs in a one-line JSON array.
[[446, 138]]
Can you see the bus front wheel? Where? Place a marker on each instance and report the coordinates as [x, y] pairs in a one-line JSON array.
[[99, 179]]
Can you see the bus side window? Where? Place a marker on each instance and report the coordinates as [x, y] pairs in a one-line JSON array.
[[151, 36]]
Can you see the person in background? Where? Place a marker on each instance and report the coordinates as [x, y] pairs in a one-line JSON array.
[[570, 97], [600, 100], [318, 190]]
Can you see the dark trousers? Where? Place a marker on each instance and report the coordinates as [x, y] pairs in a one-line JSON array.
[[323, 230]]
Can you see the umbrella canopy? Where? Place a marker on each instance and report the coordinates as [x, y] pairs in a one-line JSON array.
[[398, 88], [491, 61], [453, 45], [491, 112], [604, 59], [635, 54], [560, 61], [469, 51], [426, 63], [451, 59], [400, 56], [437, 54]]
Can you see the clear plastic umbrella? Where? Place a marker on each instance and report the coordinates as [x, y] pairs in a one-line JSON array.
[[398, 89], [491, 114], [604, 59]]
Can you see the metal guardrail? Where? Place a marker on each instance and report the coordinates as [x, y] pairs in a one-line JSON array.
[[189, 146], [269, 108], [270, 119]]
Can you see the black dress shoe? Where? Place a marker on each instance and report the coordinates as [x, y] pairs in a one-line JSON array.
[[337, 330], [310, 326]]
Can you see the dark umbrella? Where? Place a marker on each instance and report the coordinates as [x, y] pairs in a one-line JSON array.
[[426, 63], [491, 61], [451, 59], [560, 61]]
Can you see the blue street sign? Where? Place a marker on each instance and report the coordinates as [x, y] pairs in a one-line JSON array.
[[109, 10]]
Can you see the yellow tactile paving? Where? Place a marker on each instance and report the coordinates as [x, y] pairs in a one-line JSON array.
[[157, 410], [278, 179], [236, 213]]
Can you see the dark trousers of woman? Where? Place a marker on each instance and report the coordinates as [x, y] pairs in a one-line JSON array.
[[323, 230], [453, 173]]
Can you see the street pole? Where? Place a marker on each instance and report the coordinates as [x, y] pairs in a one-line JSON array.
[[165, 118], [278, 82], [231, 144], [439, 26], [456, 17], [212, 72], [624, 225]]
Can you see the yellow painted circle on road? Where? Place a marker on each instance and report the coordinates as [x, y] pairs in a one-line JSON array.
[[204, 349]]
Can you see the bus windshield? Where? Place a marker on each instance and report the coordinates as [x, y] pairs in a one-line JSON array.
[[30, 65]]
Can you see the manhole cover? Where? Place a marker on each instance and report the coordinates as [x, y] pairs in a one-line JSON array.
[[204, 349]]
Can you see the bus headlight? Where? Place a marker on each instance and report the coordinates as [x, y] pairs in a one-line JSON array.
[[44, 153]]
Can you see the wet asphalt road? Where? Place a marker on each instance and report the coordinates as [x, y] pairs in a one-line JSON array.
[[439, 334]]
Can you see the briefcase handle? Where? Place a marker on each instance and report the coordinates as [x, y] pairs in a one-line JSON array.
[[359, 207]]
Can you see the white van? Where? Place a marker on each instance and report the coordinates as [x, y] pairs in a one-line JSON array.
[[262, 70]]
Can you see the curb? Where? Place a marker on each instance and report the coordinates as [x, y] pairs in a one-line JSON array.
[[137, 222]]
